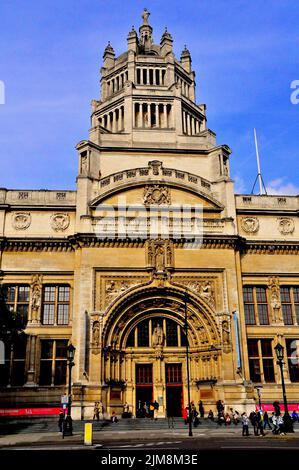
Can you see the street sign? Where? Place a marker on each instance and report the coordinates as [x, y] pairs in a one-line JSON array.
[[64, 400]]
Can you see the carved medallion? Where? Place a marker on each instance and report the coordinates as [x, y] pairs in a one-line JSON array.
[[250, 224], [156, 194], [21, 220], [60, 222], [286, 225]]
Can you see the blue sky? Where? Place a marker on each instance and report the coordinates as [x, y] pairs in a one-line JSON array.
[[245, 54]]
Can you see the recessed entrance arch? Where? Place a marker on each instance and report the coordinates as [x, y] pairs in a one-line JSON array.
[[144, 331]]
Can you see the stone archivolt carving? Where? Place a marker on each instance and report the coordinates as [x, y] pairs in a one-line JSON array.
[[286, 225], [275, 299], [21, 220], [250, 224], [60, 221], [204, 289], [36, 295], [115, 287], [156, 194]]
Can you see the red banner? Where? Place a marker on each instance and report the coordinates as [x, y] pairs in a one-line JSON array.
[[270, 407], [29, 411]]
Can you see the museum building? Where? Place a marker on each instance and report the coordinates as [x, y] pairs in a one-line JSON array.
[[153, 238]]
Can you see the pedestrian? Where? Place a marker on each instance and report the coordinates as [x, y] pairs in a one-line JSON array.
[[156, 409], [260, 423], [280, 424], [96, 411], [114, 418], [227, 419], [267, 421], [201, 409], [211, 415], [275, 424], [151, 410], [294, 416], [253, 420], [245, 424], [60, 420]]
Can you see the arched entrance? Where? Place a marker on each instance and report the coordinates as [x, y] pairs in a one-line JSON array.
[[144, 349]]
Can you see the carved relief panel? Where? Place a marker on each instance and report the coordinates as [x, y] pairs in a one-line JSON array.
[[110, 287]]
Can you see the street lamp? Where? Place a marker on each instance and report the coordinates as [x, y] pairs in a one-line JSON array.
[[258, 389], [279, 349], [68, 427], [188, 372]]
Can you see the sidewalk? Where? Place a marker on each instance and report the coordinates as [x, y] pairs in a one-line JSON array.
[[115, 434]]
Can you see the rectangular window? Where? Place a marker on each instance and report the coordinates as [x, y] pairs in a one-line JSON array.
[[18, 300], [53, 362], [255, 305], [290, 304], [249, 305], [267, 358], [260, 355], [144, 374], [56, 305], [292, 346], [173, 373]]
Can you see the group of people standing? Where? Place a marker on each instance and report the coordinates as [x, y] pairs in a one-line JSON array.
[[148, 410], [260, 421], [191, 413]]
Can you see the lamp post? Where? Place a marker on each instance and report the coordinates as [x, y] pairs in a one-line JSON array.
[[68, 426], [279, 349], [258, 389], [188, 371]]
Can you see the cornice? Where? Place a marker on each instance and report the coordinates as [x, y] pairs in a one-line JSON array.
[[270, 247]]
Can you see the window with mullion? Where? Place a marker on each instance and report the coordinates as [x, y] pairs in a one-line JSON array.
[[286, 305], [18, 300], [292, 347], [53, 362], [249, 305], [260, 356], [56, 305], [262, 307]]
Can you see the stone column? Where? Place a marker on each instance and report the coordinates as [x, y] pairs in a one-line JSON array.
[[165, 115], [148, 115], [31, 370], [157, 115]]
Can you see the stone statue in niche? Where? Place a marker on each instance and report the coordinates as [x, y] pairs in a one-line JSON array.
[[275, 298], [36, 294], [160, 258], [225, 332], [84, 164], [158, 336], [96, 334]]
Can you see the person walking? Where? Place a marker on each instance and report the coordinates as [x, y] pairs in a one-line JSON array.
[[245, 424], [280, 424], [267, 421], [275, 424]]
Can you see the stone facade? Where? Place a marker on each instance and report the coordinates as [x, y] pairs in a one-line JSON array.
[[100, 270]]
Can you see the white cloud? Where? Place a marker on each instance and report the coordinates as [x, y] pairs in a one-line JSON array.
[[280, 186]]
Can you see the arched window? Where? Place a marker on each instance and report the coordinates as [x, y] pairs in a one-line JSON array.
[[141, 335]]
